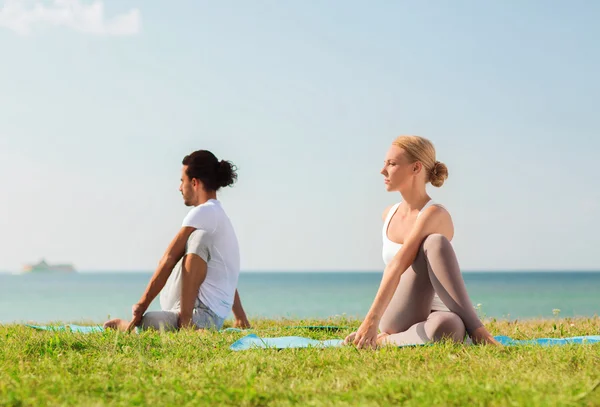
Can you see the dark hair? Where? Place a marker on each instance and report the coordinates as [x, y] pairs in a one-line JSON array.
[[214, 174]]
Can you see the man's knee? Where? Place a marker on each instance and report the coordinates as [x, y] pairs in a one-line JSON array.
[[199, 243], [159, 320], [447, 325]]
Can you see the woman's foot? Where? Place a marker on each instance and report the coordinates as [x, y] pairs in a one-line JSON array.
[[482, 336], [117, 323]]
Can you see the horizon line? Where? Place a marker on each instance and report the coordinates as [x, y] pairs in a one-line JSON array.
[[257, 271]]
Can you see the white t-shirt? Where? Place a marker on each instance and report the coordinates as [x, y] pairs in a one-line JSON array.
[[218, 288]]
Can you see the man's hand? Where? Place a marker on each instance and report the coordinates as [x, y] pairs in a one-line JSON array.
[[137, 311], [184, 320], [242, 323]]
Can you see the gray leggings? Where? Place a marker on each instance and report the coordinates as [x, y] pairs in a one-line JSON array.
[[409, 319]]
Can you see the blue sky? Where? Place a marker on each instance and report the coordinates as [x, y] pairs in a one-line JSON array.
[[99, 105]]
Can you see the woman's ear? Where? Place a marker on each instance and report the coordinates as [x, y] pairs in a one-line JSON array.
[[417, 166]]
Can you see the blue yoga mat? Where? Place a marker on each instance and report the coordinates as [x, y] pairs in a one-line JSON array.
[[98, 328], [73, 328], [89, 329], [253, 341], [283, 342], [505, 340]]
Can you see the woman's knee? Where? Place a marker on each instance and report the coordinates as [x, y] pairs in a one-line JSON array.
[[436, 242], [433, 245], [446, 325]]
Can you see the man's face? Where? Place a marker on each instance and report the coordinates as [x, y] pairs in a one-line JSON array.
[[187, 187]]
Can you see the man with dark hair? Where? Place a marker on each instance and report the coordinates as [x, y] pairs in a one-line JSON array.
[[198, 274]]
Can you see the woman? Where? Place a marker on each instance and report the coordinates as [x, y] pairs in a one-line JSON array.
[[422, 296]]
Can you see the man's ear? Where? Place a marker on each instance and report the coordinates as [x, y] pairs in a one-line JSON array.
[[197, 183]]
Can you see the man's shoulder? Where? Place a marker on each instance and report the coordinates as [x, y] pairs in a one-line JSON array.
[[205, 215], [206, 207]]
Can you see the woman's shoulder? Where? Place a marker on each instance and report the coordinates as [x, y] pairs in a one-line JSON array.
[[435, 212], [438, 205], [387, 210], [436, 218]]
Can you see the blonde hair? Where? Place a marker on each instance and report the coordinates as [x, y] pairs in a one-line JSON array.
[[422, 150]]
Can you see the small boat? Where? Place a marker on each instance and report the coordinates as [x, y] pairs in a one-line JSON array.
[[44, 267]]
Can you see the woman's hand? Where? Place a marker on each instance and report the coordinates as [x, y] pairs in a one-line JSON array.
[[365, 336]]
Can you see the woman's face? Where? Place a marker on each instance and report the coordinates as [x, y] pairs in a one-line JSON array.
[[397, 170]]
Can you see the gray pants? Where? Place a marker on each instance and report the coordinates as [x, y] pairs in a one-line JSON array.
[[203, 318], [170, 297]]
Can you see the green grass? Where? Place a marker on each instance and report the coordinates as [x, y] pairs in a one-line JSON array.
[[191, 368]]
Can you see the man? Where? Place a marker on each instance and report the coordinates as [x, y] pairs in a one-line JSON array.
[[198, 274]]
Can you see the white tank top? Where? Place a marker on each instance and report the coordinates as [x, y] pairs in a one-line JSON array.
[[391, 248]]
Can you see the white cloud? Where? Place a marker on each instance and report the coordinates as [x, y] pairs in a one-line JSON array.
[[23, 16]]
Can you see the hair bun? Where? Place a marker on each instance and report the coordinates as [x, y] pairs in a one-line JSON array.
[[438, 174], [226, 173]]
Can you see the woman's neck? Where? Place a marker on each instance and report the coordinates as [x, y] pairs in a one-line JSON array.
[[415, 198]]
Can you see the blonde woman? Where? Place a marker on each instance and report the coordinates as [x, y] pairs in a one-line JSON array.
[[422, 297]]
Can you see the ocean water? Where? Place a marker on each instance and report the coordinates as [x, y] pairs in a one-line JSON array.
[[94, 297]]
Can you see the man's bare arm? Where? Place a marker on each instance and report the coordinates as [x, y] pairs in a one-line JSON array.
[[172, 255], [241, 320], [193, 273]]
